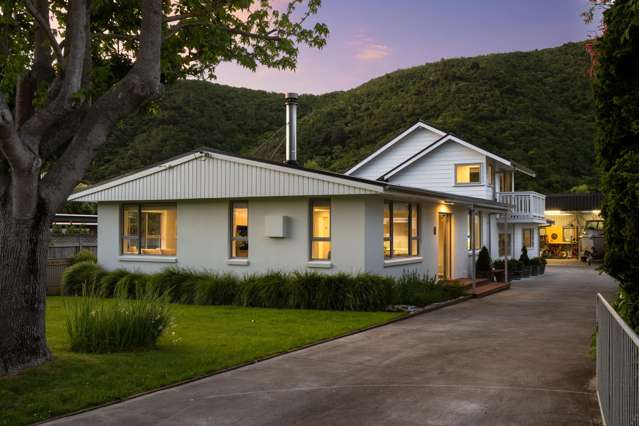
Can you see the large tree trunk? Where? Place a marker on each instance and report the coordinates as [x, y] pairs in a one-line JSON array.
[[23, 263]]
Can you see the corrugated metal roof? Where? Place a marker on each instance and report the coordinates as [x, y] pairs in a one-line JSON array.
[[574, 201]]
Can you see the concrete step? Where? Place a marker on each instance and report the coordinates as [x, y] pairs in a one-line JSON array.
[[487, 289]]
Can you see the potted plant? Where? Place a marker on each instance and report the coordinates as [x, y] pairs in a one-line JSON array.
[[514, 268], [525, 262], [542, 265], [500, 271], [534, 266], [483, 268]]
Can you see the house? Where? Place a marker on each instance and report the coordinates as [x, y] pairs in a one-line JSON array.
[[407, 207]]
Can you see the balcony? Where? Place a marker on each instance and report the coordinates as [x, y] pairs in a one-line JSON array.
[[526, 206]]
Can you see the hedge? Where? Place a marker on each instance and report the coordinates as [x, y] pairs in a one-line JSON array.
[[299, 290]]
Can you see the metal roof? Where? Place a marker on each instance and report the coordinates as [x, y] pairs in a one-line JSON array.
[[574, 201]]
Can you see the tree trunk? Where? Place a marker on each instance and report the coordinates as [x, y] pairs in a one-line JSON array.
[[23, 263]]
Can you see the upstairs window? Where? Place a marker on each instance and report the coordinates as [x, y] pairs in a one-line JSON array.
[[149, 230], [320, 230], [401, 229], [467, 174], [239, 229]]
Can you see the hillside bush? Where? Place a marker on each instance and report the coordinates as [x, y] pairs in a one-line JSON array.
[[79, 275], [98, 325], [84, 255]]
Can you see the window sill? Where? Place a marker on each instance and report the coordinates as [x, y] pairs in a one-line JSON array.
[[403, 261], [237, 262], [469, 184], [325, 264], [147, 258]]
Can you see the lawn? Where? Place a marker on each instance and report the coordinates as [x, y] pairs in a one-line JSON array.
[[206, 339]]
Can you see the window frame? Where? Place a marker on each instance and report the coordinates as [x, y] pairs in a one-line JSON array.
[[532, 237], [509, 243], [411, 238], [481, 170], [312, 203], [232, 237], [138, 235], [490, 174], [471, 224]]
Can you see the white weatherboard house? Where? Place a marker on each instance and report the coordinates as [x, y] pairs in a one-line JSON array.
[[426, 202]]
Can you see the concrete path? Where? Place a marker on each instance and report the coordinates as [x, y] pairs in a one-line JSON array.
[[519, 357]]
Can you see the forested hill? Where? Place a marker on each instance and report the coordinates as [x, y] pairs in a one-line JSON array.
[[533, 107]]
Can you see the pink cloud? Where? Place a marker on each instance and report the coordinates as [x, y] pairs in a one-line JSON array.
[[368, 49]]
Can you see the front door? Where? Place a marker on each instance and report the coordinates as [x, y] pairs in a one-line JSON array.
[[444, 243]]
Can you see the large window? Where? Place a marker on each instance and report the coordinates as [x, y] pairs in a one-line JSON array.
[[320, 230], [149, 230], [239, 229], [466, 174], [477, 225], [401, 229], [527, 237], [504, 244]]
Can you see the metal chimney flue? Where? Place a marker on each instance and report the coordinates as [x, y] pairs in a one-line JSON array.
[[290, 99]]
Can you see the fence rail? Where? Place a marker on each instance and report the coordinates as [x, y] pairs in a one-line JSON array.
[[617, 367], [59, 258]]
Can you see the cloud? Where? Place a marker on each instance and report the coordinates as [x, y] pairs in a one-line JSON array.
[[368, 49]]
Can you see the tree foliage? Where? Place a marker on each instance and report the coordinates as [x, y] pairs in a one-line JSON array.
[[616, 88], [534, 107]]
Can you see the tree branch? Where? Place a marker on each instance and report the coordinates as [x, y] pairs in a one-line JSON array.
[[44, 25], [140, 84], [10, 144], [234, 31]]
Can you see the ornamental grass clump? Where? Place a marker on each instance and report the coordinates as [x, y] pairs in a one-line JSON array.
[[97, 325]]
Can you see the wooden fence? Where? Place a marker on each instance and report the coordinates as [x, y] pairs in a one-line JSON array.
[[59, 258]]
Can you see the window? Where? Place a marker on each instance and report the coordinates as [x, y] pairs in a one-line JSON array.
[[401, 229], [505, 182], [239, 229], [504, 244], [149, 230], [491, 174], [527, 237], [320, 230], [477, 224], [467, 174]]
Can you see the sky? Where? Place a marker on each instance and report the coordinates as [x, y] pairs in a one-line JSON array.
[[369, 38]]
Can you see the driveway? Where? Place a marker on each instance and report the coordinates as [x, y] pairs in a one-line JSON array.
[[517, 357]]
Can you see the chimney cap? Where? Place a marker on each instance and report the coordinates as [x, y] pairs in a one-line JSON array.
[[290, 97]]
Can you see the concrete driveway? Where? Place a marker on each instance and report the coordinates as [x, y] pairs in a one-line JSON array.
[[514, 358]]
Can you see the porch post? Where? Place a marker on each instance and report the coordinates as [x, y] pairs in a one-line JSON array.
[[472, 246], [505, 246]]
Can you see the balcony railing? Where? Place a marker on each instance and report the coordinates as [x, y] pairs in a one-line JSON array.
[[525, 205]]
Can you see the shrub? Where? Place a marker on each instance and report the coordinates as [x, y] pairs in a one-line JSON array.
[[366, 292], [179, 283], [132, 284], [523, 258], [269, 290], [514, 265], [108, 281], [331, 292], [98, 325], [79, 275], [84, 255], [483, 260], [421, 290], [498, 264], [216, 290]]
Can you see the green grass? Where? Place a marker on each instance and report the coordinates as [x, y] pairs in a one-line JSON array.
[[207, 339]]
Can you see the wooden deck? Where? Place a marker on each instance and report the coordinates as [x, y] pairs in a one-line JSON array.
[[483, 288]]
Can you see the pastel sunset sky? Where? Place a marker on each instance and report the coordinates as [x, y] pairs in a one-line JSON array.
[[370, 38]]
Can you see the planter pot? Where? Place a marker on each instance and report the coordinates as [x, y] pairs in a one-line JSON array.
[[484, 274], [534, 270], [542, 269], [500, 275], [525, 271], [516, 275]]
